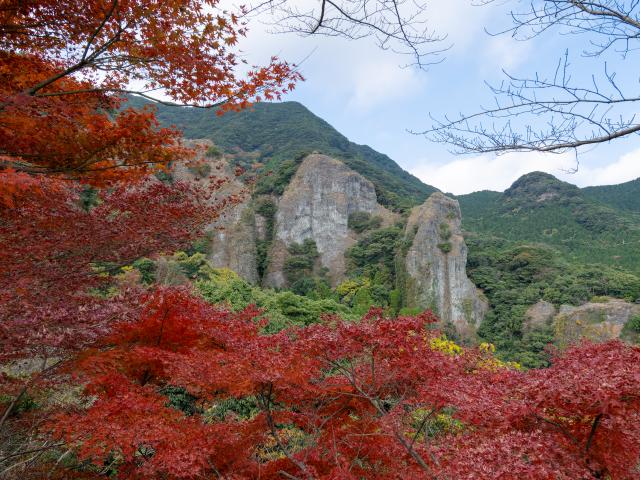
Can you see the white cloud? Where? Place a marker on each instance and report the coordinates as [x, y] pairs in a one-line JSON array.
[[461, 20], [379, 81], [625, 168], [505, 52], [363, 77], [499, 172]]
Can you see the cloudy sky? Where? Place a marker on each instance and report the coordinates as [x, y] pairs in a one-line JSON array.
[[366, 94]]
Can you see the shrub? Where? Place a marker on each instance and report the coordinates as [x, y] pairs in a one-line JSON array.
[[301, 261], [445, 247], [634, 324], [213, 152], [147, 269], [362, 221], [445, 231]]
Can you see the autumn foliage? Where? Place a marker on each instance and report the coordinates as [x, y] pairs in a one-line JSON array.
[[65, 66], [59, 258], [77, 198], [382, 398], [157, 383]]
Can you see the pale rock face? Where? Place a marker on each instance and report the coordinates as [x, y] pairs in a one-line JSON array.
[[539, 314], [234, 245], [594, 321], [233, 235], [261, 227], [436, 265], [316, 205]]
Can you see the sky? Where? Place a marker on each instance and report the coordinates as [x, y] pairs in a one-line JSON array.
[[367, 95]]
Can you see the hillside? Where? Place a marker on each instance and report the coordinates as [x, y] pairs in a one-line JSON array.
[[547, 240], [595, 225], [278, 134], [542, 240], [625, 196]]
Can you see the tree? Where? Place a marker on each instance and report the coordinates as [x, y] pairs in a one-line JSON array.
[[383, 398], [67, 64], [65, 280], [77, 204], [59, 259], [571, 113], [65, 67]]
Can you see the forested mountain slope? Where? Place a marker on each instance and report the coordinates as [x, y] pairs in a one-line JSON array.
[[544, 240], [596, 225], [625, 196], [278, 135]]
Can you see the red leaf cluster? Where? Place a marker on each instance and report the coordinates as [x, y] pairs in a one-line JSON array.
[[56, 253], [65, 66], [347, 400]]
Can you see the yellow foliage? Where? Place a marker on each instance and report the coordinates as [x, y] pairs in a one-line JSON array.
[[495, 364], [444, 345], [349, 288], [223, 275], [487, 347], [434, 425]]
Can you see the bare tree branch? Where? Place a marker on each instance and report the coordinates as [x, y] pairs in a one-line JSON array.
[[554, 113], [396, 25]]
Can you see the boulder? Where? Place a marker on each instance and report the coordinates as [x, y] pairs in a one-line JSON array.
[[539, 315], [593, 321]]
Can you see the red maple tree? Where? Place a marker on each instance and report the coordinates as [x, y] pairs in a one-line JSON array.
[[65, 66], [56, 256], [376, 399]]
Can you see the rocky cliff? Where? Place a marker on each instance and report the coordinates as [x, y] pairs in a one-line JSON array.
[[607, 319], [435, 265], [316, 205], [233, 235], [593, 321]]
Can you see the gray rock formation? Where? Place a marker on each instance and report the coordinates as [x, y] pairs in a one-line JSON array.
[[233, 235], [594, 321], [539, 314], [316, 205], [435, 265], [234, 245]]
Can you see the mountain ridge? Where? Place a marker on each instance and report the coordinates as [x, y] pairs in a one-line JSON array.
[[540, 208], [278, 134]]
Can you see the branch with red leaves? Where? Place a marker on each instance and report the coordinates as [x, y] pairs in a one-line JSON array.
[[325, 410]]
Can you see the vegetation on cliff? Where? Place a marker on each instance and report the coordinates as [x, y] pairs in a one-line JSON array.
[[278, 135]]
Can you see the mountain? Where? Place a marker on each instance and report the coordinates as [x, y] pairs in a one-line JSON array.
[[279, 135], [353, 229], [595, 225], [625, 196], [545, 244], [328, 237]]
